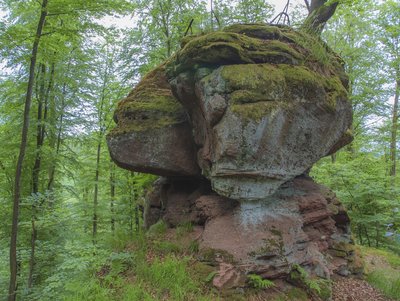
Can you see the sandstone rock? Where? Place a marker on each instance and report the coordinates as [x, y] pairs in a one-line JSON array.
[[233, 121], [228, 277], [153, 134], [263, 106], [297, 225]]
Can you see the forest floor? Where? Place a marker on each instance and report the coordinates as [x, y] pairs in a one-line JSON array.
[[382, 277]]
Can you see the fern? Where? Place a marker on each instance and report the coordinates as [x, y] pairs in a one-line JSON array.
[[257, 282]]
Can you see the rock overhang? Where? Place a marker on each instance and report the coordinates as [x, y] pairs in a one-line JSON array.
[[260, 105]]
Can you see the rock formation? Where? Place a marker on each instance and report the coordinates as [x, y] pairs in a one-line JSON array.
[[233, 122]]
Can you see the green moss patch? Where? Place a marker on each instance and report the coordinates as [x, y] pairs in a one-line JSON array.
[[262, 78], [222, 48], [256, 43], [150, 105], [260, 89]]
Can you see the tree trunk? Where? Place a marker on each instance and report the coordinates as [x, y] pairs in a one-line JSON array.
[[52, 172], [96, 191], [43, 106], [39, 138], [359, 234], [102, 130], [112, 195], [367, 236], [12, 291], [393, 140], [319, 14], [137, 220], [32, 257]]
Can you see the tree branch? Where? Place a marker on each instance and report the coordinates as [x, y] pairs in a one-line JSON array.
[[308, 5]]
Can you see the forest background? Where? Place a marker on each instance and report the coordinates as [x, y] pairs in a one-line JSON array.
[[77, 210]]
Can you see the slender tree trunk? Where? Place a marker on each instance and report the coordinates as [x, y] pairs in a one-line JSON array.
[[359, 234], [102, 129], [12, 291], [39, 138], [40, 135], [33, 245], [131, 198], [367, 236], [393, 139], [85, 196], [96, 191], [36, 170], [112, 196], [52, 172], [131, 215]]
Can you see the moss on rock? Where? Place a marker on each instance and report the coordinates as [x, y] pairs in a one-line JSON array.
[[258, 89], [256, 43], [150, 105]]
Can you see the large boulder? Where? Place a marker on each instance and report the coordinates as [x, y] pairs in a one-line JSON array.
[[233, 122], [153, 134], [265, 102]]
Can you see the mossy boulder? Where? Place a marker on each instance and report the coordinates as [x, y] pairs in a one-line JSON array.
[[152, 133], [266, 102], [250, 107]]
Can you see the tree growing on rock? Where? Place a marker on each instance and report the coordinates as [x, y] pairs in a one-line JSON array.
[[319, 12]]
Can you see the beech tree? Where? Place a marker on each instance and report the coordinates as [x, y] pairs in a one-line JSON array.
[[24, 137]]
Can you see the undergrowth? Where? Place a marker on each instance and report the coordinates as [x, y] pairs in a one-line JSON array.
[[139, 269], [388, 283], [385, 277]]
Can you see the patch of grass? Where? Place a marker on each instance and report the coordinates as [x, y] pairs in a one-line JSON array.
[[165, 247], [388, 283], [194, 247], [391, 258], [136, 292], [90, 290], [168, 277], [184, 229], [297, 294], [158, 229]]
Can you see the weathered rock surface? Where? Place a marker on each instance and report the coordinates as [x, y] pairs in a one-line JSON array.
[[303, 223], [232, 122], [264, 109], [153, 134]]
